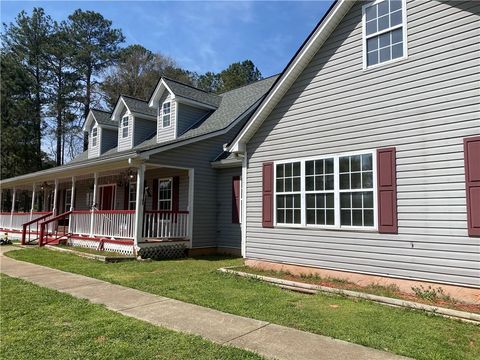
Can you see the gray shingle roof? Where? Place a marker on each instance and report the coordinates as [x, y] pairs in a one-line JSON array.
[[192, 93], [139, 106], [103, 117]]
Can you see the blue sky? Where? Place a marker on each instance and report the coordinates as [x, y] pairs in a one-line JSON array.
[[202, 36]]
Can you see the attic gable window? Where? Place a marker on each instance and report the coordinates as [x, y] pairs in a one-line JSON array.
[[384, 32], [125, 126], [166, 114], [94, 137]]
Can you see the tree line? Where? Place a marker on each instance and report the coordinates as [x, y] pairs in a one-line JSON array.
[[53, 72]]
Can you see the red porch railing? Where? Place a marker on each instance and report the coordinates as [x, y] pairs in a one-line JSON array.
[[166, 224], [108, 223], [27, 228], [15, 221], [57, 232]]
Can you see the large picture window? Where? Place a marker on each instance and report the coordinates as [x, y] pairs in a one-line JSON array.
[[332, 191], [165, 194], [384, 29]]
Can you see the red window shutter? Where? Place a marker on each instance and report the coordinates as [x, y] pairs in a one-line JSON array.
[[267, 197], [236, 200], [126, 195], [175, 193], [387, 191], [155, 194], [471, 148]]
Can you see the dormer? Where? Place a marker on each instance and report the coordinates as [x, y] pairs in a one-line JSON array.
[[136, 121], [180, 106], [102, 132]]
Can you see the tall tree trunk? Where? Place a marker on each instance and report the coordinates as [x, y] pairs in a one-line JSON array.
[[38, 119]]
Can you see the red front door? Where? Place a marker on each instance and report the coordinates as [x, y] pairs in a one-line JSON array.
[[107, 197]]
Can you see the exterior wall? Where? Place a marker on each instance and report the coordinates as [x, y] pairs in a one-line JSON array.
[[143, 129], [109, 140], [168, 133], [197, 156], [424, 106], [162, 173], [94, 151], [125, 143], [187, 116], [229, 235]]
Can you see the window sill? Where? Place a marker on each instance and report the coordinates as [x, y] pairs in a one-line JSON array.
[[386, 63], [329, 228]]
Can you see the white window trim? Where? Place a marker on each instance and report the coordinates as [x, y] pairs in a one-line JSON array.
[[125, 126], [130, 185], [95, 137], [68, 205], [169, 113], [336, 179], [171, 193], [364, 35]]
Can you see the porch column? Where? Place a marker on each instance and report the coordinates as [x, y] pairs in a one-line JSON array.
[[72, 195], [94, 205], [139, 201], [33, 201], [55, 196], [14, 195]]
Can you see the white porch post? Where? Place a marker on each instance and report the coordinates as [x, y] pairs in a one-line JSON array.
[[191, 200], [139, 201], [92, 215], [14, 195], [55, 196], [33, 201], [72, 195]]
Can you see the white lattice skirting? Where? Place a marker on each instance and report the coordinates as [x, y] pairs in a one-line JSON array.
[[125, 249]]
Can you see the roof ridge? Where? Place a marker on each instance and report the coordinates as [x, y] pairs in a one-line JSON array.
[[101, 110], [134, 98], [191, 86], [255, 82]]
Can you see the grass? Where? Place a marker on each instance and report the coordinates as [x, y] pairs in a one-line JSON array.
[[91, 251], [402, 331], [52, 325]]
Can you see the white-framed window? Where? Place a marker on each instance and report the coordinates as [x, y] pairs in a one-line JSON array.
[[165, 194], [132, 195], [384, 32], [334, 191], [94, 136], [166, 114], [124, 126], [68, 199], [89, 200]]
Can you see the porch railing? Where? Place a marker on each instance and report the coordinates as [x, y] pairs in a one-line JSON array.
[[166, 224], [16, 221], [32, 227], [108, 223]]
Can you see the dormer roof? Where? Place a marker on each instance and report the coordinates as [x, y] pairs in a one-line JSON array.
[[101, 117], [185, 93], [134, 105]]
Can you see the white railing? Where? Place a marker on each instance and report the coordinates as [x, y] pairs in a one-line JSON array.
[[15, 222], [112, 223], [165, 224]]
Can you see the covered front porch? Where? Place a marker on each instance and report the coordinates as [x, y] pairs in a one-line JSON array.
[[121, 209]]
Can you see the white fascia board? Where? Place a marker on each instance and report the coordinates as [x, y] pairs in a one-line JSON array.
[[161, 87], [118, 108], [290, 74], [90, 117]]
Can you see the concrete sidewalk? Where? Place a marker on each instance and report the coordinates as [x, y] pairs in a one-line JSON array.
[[264, 338]]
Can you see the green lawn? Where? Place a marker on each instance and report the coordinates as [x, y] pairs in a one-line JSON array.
[[38, 323], [407, 332]]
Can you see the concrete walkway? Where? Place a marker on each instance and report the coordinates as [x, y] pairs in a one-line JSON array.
[[264, 338]]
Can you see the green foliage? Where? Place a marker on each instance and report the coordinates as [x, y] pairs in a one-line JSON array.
[[196, 280], [430, 293], [52, 325]]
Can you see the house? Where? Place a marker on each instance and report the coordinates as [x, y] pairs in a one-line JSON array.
[[363, 161], [154, 179]]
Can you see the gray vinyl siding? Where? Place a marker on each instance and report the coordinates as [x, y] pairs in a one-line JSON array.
[[143, 129], [84, 186], [424, 106], [168, 133], [198, 156], [94, 151], [109, 139], [228, 234], [162, 173], [125, 143], [187, 116]]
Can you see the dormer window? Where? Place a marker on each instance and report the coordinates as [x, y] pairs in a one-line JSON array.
[[166, 114], [125, 126], [384, 32], [94, 137]]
